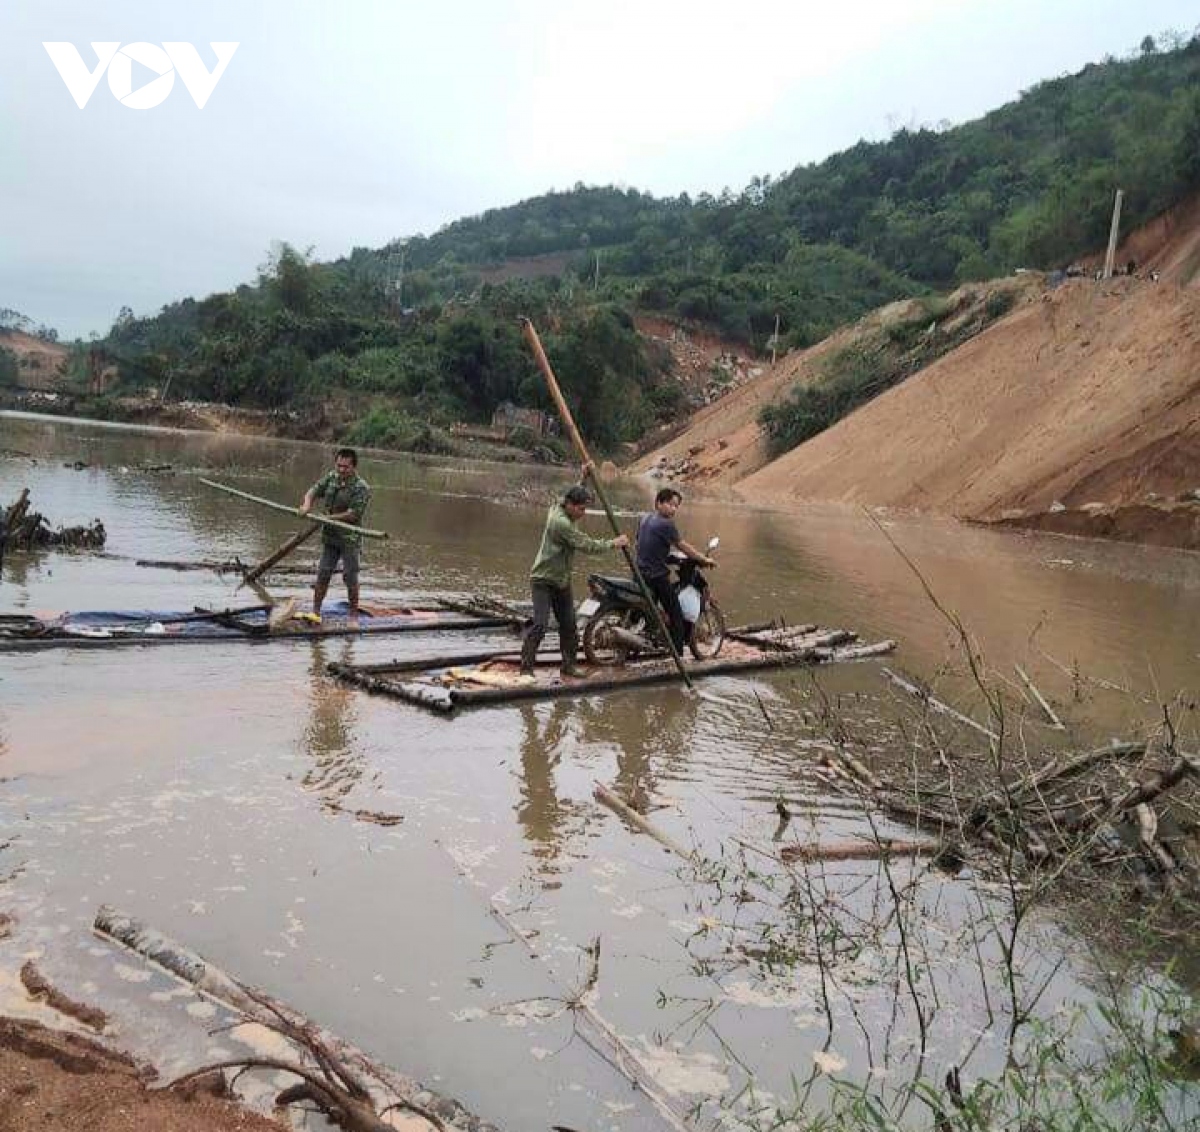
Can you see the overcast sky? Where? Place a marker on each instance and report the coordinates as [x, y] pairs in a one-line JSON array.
[[344, 125]]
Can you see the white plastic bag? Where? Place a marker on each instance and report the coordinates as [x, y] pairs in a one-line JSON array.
[[689, 602]]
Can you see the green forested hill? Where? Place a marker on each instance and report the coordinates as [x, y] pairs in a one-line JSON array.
[[412, 328]]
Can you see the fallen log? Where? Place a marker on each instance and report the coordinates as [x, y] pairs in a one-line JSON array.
[[614, 802], [927, 697], [1054, 720], [837, 654], [813, 852], [396, 1089], [1058, 773], [1159, 782]]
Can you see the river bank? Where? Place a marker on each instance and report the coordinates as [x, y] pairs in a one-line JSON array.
[[330, 423], [56, 1081]]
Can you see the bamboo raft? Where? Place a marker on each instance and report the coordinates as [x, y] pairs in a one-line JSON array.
[[255, 624], [444, 684]]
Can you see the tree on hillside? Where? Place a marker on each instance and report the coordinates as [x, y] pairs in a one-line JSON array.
[[287, 276], [1187, 154], [9, 367]]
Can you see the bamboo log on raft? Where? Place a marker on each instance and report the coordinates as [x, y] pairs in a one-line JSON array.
[[366, 532]]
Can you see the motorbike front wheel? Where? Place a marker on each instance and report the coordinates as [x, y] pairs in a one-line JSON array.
[[708, 634], [600, 645]]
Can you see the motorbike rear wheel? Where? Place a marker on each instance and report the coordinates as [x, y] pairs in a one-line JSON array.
[[600, 646], [708, 633]]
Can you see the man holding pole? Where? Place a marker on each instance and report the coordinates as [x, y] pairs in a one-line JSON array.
[[550, 578], [346, 496]]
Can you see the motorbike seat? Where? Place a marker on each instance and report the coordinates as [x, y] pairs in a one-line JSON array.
[[626, 587]]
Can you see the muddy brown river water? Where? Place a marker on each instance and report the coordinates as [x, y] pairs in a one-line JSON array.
[[210, 790]]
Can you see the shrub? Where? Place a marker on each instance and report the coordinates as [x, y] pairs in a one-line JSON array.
[[998, 304], [386, 427]]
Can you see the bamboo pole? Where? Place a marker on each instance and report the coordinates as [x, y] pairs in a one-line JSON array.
[[366, 532], [535, 344], [280, 554], [936, 704], [1033, 689], [618, 804]]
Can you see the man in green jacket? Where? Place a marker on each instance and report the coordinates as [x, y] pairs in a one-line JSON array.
[[346, 496], [551, 578]]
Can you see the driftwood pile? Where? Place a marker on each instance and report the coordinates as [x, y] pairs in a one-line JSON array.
[[1122, 807], [22, 528]]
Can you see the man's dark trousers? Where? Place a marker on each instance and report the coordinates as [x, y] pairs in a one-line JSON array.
[[548, 599], [664, 591]]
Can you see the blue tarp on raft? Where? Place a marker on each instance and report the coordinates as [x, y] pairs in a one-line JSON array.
[[185, 622], [156, 626]]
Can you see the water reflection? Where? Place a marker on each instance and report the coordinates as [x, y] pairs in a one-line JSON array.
[[548, 822], [337, 764]]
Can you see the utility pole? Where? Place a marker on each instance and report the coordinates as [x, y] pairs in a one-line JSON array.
[[1113, 232], [395, 278], [596, 278], [775, 338]]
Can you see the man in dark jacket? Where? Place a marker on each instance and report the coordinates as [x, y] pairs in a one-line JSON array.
[[657, 536]]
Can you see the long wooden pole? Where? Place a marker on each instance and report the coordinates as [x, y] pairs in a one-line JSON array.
[[535, 344], [281, 553], [366, 532]]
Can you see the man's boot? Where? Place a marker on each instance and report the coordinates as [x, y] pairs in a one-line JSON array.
[[319, 592], [529, 647]]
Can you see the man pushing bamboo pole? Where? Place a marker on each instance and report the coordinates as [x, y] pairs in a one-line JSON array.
[[346, 495], [535, 344]]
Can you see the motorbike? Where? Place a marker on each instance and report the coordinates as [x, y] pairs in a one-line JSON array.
[[618, 625]]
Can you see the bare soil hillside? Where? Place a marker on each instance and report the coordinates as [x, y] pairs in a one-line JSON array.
[[1089, 395], [705, 366], [1079, 412], [723, 442], [40, 363]]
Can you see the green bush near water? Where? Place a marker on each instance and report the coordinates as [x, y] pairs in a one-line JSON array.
[[385, 427]]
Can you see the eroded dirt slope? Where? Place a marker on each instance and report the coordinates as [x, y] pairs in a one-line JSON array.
[[723, 441], [1090, 394]]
